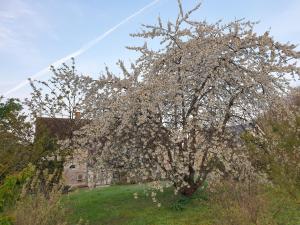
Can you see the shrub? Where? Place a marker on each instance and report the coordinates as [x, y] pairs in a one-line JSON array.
[[201, 195], [241, 204], [11, 188], [40, 210], [277, 154], [5, 220]]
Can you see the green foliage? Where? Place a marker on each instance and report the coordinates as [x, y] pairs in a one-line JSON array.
[[20, 207], [48, 161], [18, 149], [9, 113], [15, 134], [5, 220], [278, 153], [182, 203], [11, 188]]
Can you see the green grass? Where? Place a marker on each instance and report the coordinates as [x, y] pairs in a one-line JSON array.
[[286, 210], [116, 205]]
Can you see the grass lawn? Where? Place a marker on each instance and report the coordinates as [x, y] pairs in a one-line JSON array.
[[116, 205]]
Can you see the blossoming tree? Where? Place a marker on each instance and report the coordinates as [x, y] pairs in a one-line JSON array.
[[60, 96], [177, 113]]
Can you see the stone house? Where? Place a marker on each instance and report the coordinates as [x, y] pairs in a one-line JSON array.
[[76, 171]]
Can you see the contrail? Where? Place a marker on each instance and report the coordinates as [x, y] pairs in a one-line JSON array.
[[83, 49]]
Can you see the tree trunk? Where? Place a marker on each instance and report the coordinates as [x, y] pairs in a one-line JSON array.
[[189, 190]]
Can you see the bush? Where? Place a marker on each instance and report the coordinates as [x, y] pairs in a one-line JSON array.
[[5, 220], [201, 195], [241, 204], [40, 210], [37, 210], [11, 188], [277, 154]]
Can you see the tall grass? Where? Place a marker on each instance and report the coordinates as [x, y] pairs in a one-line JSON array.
[[40, 210]]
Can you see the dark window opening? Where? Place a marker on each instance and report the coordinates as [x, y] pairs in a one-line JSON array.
[[79, 178]]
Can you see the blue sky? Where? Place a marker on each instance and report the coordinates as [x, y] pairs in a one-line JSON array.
[[34, 34]]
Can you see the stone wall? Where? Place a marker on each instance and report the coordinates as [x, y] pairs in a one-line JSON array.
[[75, 173]]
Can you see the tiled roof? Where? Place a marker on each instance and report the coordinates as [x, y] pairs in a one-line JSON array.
[[60, 128]]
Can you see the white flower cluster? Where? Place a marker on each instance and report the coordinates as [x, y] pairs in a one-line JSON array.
[[178, 112]]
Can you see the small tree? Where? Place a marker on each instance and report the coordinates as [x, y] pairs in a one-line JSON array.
[[15, 138], [277, 152], [178, 113], [61, 95]]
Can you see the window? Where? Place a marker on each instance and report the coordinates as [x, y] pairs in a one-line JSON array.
[[79, 177], [72, 166]]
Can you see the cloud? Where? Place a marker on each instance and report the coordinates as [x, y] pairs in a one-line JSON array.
[[84, 48]]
